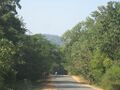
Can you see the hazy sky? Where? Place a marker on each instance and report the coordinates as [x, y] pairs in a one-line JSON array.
[[56, 16]]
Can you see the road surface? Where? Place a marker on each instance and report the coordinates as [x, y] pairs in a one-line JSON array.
[[65, 82]]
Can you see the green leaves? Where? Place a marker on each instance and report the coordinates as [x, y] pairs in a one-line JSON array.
[[92, 47], [7, 50], [111, 80], [9, 6], [22, 56], [7, 74]]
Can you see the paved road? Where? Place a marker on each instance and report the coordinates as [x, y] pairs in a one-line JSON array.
[[67, 83]]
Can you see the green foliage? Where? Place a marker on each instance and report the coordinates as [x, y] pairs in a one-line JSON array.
[[92, 47], [7, 74], [111, 79], [97, 66], [107, 23], [37, 54], [11, 27], [23, 58], [9, 6]]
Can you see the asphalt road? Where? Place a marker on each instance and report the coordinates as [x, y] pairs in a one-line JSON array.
[[62, 82]]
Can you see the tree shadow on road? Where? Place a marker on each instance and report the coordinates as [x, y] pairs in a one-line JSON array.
[[67, 84]]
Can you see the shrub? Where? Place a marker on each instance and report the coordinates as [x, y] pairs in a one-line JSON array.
[[111, 79]]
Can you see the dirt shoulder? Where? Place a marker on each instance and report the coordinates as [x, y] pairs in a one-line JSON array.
[[83, 81]]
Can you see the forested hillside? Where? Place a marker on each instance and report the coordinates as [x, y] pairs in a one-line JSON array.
[[92, 47], [54, 39]]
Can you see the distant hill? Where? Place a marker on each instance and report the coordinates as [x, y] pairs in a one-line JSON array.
[[54, 39]]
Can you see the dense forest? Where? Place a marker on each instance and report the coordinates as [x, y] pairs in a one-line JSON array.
[[23, 58], [92, 47]]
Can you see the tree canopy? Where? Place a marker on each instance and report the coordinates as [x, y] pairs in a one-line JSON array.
[[92, 47], [23, 58]]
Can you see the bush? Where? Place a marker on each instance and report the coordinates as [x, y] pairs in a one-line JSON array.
[[97, 67], [1, 82], [23, 85], [111, 79]]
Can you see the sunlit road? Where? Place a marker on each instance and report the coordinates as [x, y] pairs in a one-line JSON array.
[[61, 82]]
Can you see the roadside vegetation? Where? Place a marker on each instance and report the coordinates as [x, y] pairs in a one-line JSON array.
[[24, 59], [92, 47]]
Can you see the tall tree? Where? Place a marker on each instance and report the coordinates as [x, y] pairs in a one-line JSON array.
[[11, 27], [92, 47]]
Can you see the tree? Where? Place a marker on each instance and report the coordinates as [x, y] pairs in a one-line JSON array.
[[107, 23], [93, 46], [7, 74], [11, 27]]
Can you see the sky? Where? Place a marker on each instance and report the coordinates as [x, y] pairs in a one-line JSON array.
[[56, 16]]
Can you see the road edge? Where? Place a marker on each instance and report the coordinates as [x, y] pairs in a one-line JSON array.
[[46, 85], [79, 80]]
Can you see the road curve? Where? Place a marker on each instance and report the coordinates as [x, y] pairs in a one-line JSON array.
[[66, 82]]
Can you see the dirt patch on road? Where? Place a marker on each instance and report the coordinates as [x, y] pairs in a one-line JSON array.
[[81, 80]]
